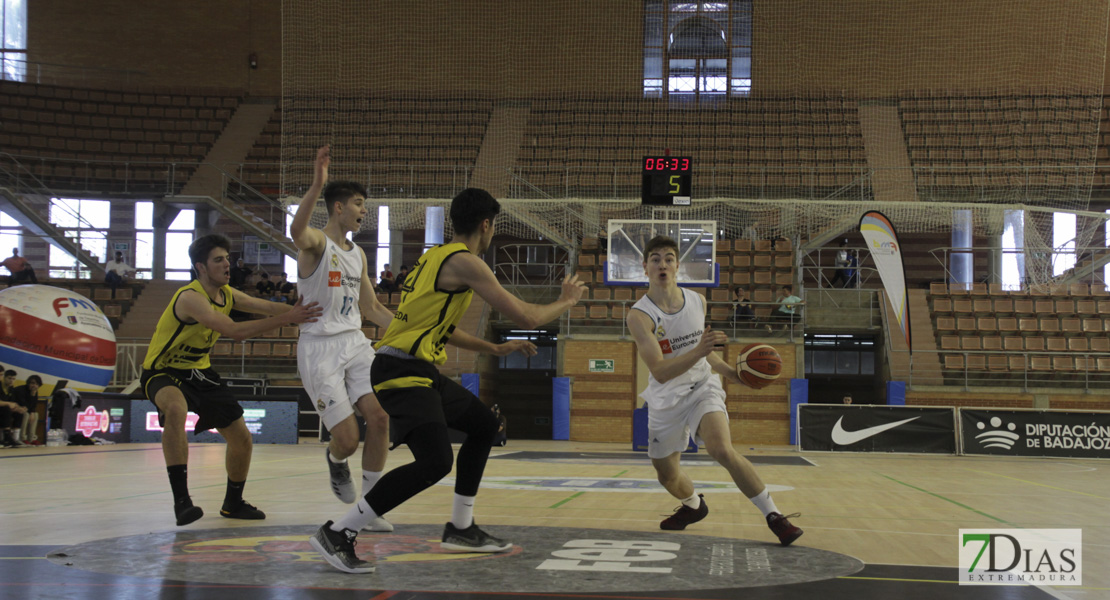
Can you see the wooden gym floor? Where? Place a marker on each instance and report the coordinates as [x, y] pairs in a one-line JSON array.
[[97, 522]]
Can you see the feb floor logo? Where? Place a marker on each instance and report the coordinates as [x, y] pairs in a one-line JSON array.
[[1021, 556]]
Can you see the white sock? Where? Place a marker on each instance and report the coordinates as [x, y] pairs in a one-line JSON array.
[[335, 460], [358, 517], [369, 478], [462, 513], [693, 502], [764, 503]]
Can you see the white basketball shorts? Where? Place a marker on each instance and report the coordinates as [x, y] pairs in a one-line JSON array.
[[335, 371], [669, 428]]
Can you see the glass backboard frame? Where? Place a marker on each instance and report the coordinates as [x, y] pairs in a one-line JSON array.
[[697, 250]]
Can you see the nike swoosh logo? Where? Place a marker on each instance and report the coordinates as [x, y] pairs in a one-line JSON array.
[[844, 438], [360, 511]]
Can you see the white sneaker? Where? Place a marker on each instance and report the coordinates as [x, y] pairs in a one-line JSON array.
[[380, 525]]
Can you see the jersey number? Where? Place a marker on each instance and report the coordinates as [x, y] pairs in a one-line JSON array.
[[348, 304]]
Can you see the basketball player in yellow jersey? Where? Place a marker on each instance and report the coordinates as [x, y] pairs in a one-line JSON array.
[[178, 376], [684, 394], [333, 355], [422, 404]]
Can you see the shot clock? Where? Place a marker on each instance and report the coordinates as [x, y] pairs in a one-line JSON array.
[[666, 180]]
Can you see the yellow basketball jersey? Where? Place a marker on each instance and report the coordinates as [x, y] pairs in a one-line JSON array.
[[180, 345], [427, 316]]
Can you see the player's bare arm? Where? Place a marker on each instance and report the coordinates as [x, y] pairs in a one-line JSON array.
[[464, 340], [641, 327], [465, 270], [309, 240], [718, 364], [372, 310], [250, 304], [193, 307]]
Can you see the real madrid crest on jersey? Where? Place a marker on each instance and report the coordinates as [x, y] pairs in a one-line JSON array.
[[660, 333], [334, 260]]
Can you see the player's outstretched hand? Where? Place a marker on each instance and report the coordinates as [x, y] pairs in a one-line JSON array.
[[572, 289], [523, 346], [711, 341], [304, 313], [323, 159]]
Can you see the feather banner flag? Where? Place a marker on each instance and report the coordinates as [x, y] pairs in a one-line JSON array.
[[881, 239]]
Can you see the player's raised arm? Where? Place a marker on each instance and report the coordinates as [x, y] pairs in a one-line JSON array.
[[306, 237]]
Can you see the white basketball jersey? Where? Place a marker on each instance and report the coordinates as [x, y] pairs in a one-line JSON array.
[[335, 284], [677, 334]]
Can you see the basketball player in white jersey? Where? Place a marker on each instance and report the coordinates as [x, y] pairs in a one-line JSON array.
[[684, 394], [333, 355]]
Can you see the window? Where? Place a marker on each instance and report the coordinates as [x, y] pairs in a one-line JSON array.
[[11, 235], [144, 239], [382, 253], [13, 27], [178, 239], [546, 343], [1063, 242], [838, 354], [86, 222], [700, 50], [1013, 249]]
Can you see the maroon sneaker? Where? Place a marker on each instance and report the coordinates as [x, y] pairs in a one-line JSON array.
[[783, 528], [684, 515]]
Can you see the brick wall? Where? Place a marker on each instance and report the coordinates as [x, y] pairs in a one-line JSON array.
[[968, 399], [602, 403]]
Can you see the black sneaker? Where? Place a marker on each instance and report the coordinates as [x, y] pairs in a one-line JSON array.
[[684, 515], [471, 539], [341, 484], [186, 513], [245, 510], [784, 529], [338, 548]]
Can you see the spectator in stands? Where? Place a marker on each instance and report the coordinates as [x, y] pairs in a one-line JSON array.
[[21, 270], [9, 408], [27, 396], [264, 286], [284, 290], [742, 312], [385, 280], [401, 275], [116, 271], [840, 277], [847, 399], [852, 271], [240, 273], [786, 311]]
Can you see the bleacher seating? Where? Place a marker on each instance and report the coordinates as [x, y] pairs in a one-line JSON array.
[[745, 148], [74, 131], [948, 136], [1042, 331]]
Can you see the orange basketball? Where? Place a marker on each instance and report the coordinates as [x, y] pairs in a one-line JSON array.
[[758, 365]]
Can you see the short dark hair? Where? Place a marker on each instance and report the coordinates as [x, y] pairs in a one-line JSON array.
[[9, 373], [470, 208], [35, 378], [203, 246], [659, 241], [341, 191]]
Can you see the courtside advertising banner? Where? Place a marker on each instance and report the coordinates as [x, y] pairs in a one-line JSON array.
[[1035, 433], [882, 241], [855, 428]]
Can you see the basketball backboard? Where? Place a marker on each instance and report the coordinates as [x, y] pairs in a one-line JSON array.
[[697, 248]]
